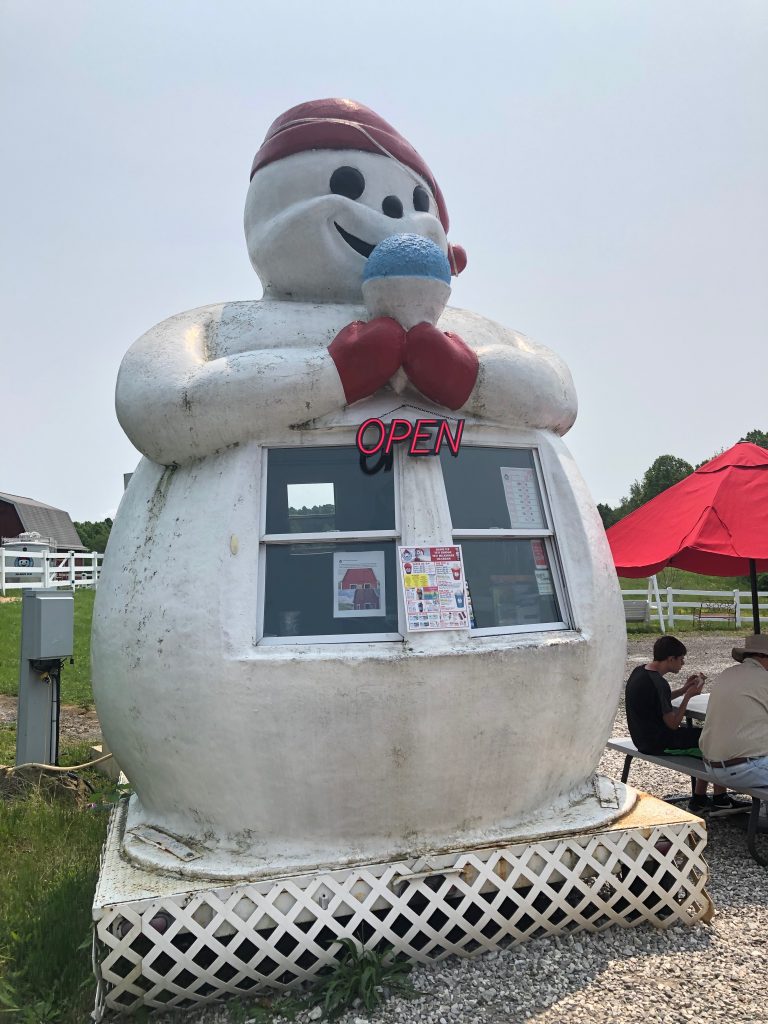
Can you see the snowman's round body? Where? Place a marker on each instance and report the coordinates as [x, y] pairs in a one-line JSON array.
[[272, 689]]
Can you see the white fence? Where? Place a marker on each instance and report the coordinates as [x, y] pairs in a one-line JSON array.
[[711, 607], [21, 570]]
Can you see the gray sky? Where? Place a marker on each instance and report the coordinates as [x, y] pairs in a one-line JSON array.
[[605, 165]]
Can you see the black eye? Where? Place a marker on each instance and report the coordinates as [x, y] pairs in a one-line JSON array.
[[347, 181], [420, 199]]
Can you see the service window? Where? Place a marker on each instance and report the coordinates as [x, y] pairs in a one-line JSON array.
[[329, 548], [500, 517]]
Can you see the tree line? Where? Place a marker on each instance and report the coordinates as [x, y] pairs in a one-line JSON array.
[[663, 472], [94, 536]]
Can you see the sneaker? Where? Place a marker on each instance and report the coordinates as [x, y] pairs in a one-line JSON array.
[[700, 805], [724, 804]]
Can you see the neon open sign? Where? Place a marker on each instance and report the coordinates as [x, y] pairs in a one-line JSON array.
[[424, 437]]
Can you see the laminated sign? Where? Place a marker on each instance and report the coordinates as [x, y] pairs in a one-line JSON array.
[[434, 591]]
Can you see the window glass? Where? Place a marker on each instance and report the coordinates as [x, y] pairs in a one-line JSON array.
[[493, 488], [509, 582], [316, 490], [330, 589]]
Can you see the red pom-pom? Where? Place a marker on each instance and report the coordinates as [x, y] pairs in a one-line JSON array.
[[457, 257]]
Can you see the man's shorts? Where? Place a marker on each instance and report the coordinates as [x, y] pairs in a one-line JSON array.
[[686, 742]]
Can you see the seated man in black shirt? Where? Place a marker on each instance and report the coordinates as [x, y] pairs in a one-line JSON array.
[[655, 725]]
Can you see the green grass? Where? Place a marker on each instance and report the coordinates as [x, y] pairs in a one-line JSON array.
[[7, 744], [679, 579], [75, 679], [49, 862]]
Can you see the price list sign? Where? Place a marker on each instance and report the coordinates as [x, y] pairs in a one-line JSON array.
[[521, 493], [434, 591]]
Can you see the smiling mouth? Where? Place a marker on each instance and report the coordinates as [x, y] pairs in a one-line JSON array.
[[364, 248]]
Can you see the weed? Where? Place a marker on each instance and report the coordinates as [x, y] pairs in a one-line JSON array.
[[360, 974], [7, 744], [111, 794], [38, 1011]]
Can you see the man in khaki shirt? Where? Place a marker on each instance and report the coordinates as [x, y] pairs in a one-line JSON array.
[[734, 739]]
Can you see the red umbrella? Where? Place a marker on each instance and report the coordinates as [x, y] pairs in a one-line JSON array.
[[714, 522]]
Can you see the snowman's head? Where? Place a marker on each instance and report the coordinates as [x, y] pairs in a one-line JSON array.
[[332, 180]]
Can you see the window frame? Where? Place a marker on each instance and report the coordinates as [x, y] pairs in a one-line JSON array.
[[335, 536], [546, 534]]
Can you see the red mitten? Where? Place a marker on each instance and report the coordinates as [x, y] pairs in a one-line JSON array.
[[442, 366], [367, 355]]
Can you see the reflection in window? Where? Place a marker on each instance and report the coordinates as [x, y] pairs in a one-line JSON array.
[[311, 508]]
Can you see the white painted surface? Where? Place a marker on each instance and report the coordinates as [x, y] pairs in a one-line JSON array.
[[291, 756], [409, 300]]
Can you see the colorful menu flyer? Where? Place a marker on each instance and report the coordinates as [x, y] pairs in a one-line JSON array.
[[434, 591]]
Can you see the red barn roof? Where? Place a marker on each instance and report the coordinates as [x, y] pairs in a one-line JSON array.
[[358, 577]]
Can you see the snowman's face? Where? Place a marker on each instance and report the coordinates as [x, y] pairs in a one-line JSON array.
[[312, 220]]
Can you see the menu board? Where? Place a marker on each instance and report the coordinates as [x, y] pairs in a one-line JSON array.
[[434, 591], [521, 492]]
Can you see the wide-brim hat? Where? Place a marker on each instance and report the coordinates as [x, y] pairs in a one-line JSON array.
[[752, 645]]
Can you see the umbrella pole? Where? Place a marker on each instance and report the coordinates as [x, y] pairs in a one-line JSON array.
[[753, 583]]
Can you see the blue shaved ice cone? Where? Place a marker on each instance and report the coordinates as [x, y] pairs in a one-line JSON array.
[[407, 277]]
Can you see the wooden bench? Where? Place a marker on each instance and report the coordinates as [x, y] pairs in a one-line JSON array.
[[695, 769], [714, 612], [637, 611]]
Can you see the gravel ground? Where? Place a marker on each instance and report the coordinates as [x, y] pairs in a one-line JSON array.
[[705, 973]]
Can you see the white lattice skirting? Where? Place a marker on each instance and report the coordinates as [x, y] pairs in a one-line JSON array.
[[161, 942]]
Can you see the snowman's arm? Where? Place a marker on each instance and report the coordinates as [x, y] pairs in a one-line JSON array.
[[175, 404], [522, 384]]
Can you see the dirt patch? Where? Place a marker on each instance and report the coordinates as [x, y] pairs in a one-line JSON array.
[[75, 726]]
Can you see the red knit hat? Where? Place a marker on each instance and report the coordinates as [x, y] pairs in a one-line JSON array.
[[345, 124]]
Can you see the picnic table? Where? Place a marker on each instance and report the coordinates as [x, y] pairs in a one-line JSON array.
[[697, 707], [695, 769]]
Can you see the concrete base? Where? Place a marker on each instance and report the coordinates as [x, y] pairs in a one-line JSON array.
[[167, 941], [597, 804]]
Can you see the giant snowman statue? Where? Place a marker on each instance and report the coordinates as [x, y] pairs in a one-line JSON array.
[[268, 659]]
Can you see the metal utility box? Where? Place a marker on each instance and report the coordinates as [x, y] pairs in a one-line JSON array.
[[47, 624], [47, 638]]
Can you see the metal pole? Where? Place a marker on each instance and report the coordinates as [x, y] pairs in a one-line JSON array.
[[753, 582]]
